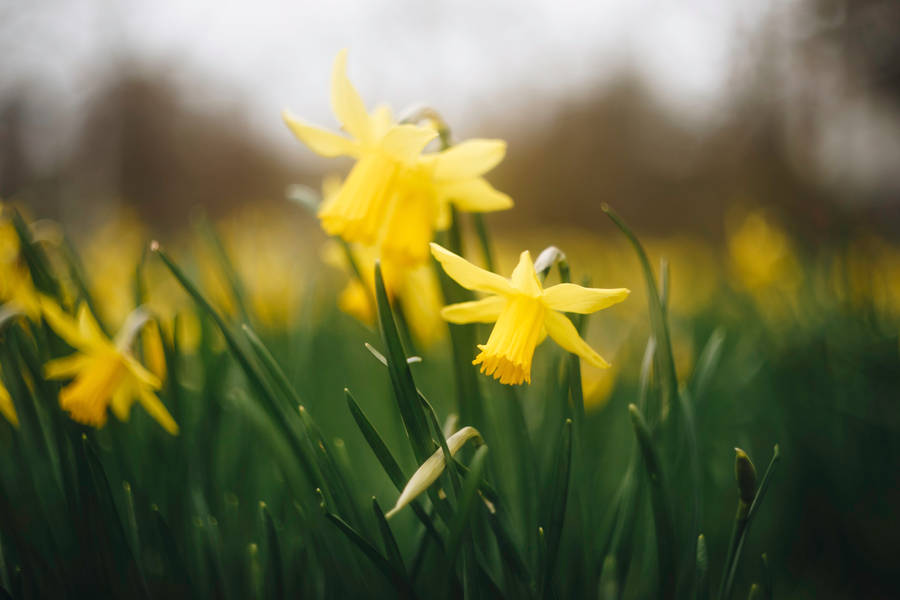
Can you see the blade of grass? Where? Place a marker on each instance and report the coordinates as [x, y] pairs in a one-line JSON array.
[[659, 326], [387, 537], [401, 377], [556, 515], [465, 505], [665, 534], [388, 462], [274, 566]]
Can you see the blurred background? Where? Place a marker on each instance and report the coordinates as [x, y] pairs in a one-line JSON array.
[[670, 112], [754, 144]]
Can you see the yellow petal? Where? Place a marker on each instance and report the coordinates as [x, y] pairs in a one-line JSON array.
[[88, 327], [382, 119], [469, 159], [346, 103], [319, 140], [431, 469], [122, 399], [468, 275], [564, 333], [68, 366], [568, 297], [524, 278], [405, 142], [474, 195], [7, 408], [140, 373], [486, 310], [156, 409], [65, 326]]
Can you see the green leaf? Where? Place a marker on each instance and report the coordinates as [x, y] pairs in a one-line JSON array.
[[707, 364], [558, 493], [36, 259], [465, 504], [381, 563], [274, 569], [665, 361], [387, 537], [702, 585], [665, 532], [388, 462], [401, 377]]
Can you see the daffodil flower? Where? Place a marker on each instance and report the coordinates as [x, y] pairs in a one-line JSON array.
[[395, 196], [524, 313], [105, 374]]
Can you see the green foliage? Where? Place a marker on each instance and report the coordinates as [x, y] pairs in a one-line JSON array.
[[275, 485]]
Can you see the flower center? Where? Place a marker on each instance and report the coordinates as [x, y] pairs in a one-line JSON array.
[[510, 348]]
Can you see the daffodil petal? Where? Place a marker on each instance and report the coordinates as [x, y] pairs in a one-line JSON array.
[[568, 297], [88, 326], [382, 119], [156, 409], [320, 141], [346, 103], [560, 328], [405, 142], [524, 278], [141, 374], [468, 275], [474, 195], [64, 325], [121, 401], [486, 310], [68, 366], [469, 159]]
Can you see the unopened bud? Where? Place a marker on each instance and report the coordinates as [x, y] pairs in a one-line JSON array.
[[745, 473]]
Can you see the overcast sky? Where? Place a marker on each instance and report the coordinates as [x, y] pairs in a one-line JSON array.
[[477, 61]]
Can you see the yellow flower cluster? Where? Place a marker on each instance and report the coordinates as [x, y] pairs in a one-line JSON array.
[[398, 194]]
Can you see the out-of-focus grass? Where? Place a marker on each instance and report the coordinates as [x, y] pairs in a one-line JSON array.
[[771, 344]]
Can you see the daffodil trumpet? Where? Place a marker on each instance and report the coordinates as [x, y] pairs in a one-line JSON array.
[[524, 313]]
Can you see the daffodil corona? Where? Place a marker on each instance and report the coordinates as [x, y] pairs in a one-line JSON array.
[[395, 196], [524, 312], [105, 374]]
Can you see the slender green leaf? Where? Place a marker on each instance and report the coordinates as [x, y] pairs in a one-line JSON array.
[[401, 377], [558, 494], [387, 537], [662, 518]]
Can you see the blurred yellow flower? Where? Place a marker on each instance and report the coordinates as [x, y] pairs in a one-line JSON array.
[[110, 258], [105, 374], [394, 196], [16, 286], [7, 409], [524, 313], [416, 289], [761, 254]]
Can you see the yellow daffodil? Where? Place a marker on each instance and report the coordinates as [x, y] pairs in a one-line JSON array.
[[415, 287], [105, 374], [394, 196], [761, 254], [524, 313], [7, 408], [16, 286]]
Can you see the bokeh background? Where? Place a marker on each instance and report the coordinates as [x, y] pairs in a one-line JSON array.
[[754, 144]]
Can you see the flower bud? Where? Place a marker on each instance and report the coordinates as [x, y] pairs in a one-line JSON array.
[[745, 473]]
